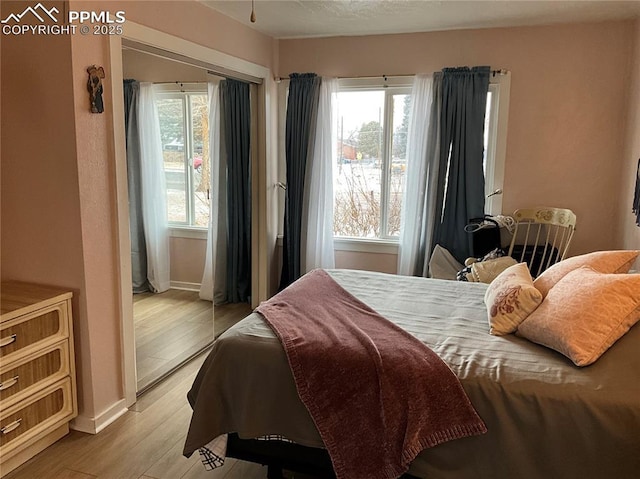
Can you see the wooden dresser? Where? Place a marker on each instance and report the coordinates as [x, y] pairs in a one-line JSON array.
[[37, 370]]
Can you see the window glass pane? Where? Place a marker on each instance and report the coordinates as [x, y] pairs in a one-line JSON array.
[[171, 117], [487, 122], [359, 150], [401, 111], [200, 154]]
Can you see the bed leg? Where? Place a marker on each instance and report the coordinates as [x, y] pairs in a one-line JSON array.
[[274, 471]]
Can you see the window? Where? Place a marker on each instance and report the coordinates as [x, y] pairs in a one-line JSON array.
[[184, 130], [495, 140], [372, 122]]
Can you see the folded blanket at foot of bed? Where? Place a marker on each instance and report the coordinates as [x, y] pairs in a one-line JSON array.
[[377, 395]]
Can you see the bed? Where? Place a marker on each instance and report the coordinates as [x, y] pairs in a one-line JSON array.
[[545, 417]]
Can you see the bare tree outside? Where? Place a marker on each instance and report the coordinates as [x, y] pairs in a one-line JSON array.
[[201, 168], [357, 203]]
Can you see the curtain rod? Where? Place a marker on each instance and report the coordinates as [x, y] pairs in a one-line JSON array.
[[180, 83], [183, 86], [364, 77], [500, 71]]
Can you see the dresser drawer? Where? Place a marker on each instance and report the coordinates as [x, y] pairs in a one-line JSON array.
[[27, 421], [20, 378], [22, 336]]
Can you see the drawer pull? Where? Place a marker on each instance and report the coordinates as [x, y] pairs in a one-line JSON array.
[[11, 427], [10, 383], [8, 340]]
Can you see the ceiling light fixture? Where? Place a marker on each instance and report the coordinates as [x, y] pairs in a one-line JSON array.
[[253, 13]]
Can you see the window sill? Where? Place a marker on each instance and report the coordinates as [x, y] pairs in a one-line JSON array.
[[187, 232], [360, 245]]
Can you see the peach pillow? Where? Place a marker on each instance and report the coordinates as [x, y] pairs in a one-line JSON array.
[[510, 298], [585, 313], [602, 261]]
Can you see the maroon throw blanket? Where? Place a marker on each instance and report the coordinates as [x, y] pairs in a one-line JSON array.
[[377, 395]]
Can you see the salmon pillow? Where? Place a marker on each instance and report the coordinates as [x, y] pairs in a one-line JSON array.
[[510, 298], [602, 261], [585, 313]]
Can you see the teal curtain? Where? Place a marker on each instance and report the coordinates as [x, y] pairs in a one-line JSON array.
[[134, 181], [461, 176], [636, 197], [302, 107], [235, 115]]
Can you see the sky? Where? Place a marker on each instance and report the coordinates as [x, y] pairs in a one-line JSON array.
[[363, 106]]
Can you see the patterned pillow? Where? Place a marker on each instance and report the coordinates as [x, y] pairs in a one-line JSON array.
[[510, 298], [602, 261], [585, 313]]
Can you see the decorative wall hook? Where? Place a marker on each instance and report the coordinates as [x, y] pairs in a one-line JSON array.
[[94, 85]]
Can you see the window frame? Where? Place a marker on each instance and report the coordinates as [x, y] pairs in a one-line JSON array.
[[397, 85], [500, 88], [184, 91], [499, 85]]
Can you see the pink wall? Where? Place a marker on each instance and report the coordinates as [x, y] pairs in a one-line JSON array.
[[58, 190], [40, 196], [41, 208], [567, 105], [383, 262], [199, 24], [187, 259], [629, 233], [150, 68], [96, 182]]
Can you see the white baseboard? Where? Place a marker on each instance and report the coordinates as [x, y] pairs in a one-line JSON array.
[[184, 285], [97, 424]]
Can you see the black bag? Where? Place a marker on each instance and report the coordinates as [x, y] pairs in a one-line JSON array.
[[535, 260], [484, 235]]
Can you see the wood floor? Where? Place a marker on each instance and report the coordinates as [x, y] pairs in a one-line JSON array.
[[171, 327], [145, 443]]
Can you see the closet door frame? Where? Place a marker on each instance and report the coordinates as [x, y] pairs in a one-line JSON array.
[[264, 170]]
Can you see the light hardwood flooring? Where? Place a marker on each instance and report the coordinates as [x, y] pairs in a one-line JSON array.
[[172, 327], [145, 443]]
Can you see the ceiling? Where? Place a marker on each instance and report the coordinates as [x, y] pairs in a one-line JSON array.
[[321, 18]]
